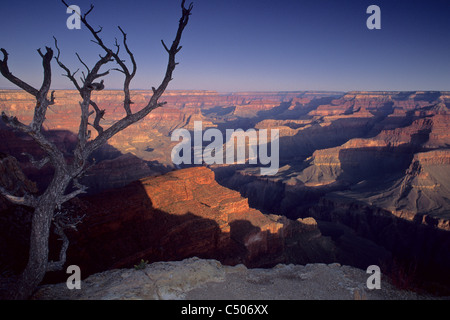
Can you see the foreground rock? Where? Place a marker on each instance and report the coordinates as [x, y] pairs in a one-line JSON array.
[[197, 279]]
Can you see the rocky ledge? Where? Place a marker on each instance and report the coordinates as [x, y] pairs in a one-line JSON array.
[[198, 279]]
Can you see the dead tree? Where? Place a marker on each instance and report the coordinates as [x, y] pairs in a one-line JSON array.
[[67, 173]]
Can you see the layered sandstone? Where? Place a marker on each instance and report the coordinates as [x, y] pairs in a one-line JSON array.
[[360, 158], [374, 163], [342, 157], [150, 138], [187, 213], [421, 194], [342, 149]]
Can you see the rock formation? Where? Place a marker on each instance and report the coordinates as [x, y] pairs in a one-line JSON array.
[[150, 138], [186, 213], [370, 167], [196, 279]]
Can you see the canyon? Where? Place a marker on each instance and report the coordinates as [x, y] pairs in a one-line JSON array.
[[364, 179]]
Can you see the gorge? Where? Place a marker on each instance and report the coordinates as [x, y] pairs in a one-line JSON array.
[[364, 179]]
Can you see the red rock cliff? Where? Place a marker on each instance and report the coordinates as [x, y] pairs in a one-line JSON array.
[[187, 213]]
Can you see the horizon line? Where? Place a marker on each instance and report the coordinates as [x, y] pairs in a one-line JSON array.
[[252, 91]]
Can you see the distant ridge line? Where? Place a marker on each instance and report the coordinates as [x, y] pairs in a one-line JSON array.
[[214, 92]]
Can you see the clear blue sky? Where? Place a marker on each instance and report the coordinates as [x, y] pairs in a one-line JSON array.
[[246, 45]]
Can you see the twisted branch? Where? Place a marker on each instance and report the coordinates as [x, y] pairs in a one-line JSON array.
[[39, 164], [26, 200], [62, 221]]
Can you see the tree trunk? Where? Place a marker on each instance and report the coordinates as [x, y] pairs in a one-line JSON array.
[[36, 268], [38, 255], [54, 195]]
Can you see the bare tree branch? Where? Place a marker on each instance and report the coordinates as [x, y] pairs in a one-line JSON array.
[[128, 76], [123, 67], [165, 47], [131, 118], [82, 62], [62, 221], [67, 171], [98, 116], [71, 195], [58, 265], [116, 44], [26, 200], [4, 69], [89, 11], [85, 92], [68, 74], [94, 73], [41, 97], [39, 164], [80, 189], [42, 101], [55, 155], [157, 93], [52, 98]]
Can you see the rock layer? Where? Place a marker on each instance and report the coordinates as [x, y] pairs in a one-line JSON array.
[[374, 162], [187, 213]]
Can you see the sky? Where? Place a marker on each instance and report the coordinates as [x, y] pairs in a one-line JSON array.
[[244, 45]]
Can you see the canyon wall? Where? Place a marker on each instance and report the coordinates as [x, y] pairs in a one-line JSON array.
[[363, 164], [186, 213], [369, 164]]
